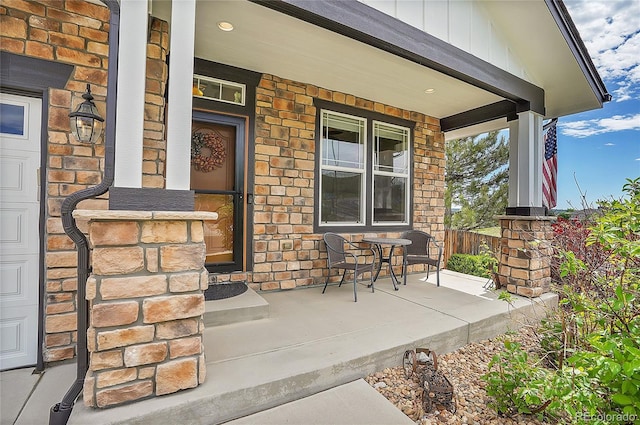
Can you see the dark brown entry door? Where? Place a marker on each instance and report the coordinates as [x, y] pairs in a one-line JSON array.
[[217, 177]]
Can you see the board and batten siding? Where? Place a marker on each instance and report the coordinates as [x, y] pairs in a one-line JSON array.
[[461, 23]]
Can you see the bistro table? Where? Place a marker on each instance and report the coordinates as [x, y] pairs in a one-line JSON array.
[[377, 243]]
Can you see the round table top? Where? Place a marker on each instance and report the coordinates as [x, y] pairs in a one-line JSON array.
[[388, 241]]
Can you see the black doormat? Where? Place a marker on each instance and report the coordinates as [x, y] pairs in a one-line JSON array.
[[224, 290]]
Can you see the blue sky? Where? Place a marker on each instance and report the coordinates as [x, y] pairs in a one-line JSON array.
[[599, 149]]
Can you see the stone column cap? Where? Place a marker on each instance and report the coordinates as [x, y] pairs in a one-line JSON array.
[[106, 215]]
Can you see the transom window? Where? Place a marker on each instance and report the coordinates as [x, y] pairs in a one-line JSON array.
[[218, 90], [364, 169]]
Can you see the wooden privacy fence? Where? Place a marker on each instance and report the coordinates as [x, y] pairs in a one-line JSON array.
[[464, 242]]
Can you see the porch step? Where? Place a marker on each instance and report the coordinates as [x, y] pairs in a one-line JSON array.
[[241, 308]]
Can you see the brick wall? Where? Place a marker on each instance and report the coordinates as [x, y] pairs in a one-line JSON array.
[[76, 33], [155, 143], [287, 253]]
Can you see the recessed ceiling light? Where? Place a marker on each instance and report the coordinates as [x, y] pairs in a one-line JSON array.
[[430, 90], [225, 26]]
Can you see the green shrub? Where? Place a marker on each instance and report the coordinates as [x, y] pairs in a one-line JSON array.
[[591, 344], [519, 383], [475, 265]]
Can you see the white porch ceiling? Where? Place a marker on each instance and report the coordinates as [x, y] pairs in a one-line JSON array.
[[270, 42]]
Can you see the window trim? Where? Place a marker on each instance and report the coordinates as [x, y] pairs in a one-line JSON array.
[[370, 117]]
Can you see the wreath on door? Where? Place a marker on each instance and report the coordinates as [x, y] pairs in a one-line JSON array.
[[207, 151]]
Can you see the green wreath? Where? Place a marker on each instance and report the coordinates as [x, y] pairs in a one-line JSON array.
[[201, 143]]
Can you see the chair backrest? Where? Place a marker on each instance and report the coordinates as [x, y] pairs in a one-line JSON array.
[[335, 248], [419, 242]]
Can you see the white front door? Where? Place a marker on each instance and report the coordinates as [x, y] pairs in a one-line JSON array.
[[19, 229]]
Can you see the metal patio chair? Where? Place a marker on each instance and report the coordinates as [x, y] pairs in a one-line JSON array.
[[347, 259], [424, 249]]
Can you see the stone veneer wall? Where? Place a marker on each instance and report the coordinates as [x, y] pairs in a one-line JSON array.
[[154, 146], [525, 255], [287, 252], [76, 33], [145, 304]]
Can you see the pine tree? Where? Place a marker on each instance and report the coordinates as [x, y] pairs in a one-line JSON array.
[[477, 179]]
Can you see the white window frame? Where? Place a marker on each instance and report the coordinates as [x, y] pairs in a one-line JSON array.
[[362, 171], [25, 118], [406, 175], [368, 172], [242, 87]]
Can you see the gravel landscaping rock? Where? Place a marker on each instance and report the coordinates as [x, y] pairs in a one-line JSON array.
[[464, 368]]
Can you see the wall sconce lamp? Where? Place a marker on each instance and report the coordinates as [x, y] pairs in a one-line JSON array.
[[86, 123]]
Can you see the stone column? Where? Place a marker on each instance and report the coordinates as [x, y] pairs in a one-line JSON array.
[[525, 256], [146, 304]]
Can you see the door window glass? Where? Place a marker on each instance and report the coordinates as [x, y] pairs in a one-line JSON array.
[[213, 179], [12, 119]]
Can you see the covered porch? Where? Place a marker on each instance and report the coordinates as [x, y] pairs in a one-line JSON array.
[[308, 343]]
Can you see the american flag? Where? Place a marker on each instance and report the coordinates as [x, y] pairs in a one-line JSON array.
[[550, 165]]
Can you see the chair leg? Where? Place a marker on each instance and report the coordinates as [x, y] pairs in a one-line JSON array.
[[342, 280], [355, 286], [428, 270], [438, 275], [404, 273], [404, 265], [326, 282], [372, 289]]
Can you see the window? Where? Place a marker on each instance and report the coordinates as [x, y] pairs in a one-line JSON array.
[[390, 174], [219, 90], [343, 149], [12, 119], [364, 169]]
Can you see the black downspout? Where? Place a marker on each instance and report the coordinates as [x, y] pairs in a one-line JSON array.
[[60, 412]]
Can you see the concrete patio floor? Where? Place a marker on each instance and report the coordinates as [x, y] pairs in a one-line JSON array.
[[309, 343]]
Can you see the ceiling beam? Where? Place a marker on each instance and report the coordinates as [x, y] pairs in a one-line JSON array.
[[480, 115]]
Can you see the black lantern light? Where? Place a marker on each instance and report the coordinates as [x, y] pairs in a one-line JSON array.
[[86, 123]]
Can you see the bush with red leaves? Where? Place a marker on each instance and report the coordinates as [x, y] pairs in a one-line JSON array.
[[570, 235]]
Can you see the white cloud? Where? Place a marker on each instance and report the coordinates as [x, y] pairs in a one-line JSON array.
[[609, 144], [611, 33], [586, 128]]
